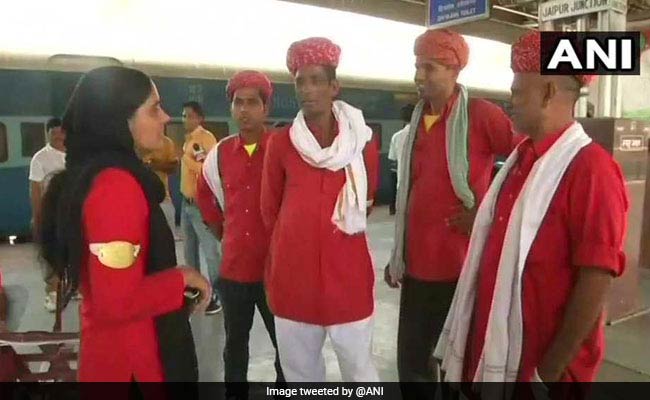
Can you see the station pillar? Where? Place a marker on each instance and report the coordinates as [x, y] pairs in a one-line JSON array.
[[605, 95], [617, 135]]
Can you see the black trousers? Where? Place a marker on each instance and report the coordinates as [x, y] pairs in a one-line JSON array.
[[423, 310], [393, 192], [239, 301]]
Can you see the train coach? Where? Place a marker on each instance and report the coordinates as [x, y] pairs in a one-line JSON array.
[[34, 90]]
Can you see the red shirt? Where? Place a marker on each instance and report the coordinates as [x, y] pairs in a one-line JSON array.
[[317, 274], [583, 227], [118, 333], [245, 240], [434, 251]]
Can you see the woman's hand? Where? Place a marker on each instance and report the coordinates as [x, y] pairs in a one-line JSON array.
[[193, 279]]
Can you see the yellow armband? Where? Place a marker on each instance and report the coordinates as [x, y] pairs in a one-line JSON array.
[[116, 255]]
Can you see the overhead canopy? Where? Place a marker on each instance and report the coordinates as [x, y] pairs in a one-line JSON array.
[[229, 34], [508, 18]]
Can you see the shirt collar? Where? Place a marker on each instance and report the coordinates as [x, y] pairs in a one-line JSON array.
[[317, 131], [239, 142], [50, 148], [448, 106], [196, 131], [541, 147]]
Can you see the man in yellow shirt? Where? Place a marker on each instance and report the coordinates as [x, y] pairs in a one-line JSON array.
[[164, 162], [196, 234]]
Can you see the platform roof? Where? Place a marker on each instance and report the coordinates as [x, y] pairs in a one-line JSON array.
[[223, 36], [508, 18]]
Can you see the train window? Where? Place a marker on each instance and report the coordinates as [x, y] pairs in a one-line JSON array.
[[278, 124], [32, 137], [4, 147], [376, 132], [219, 129]]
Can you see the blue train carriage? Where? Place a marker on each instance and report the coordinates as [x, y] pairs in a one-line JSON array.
[[34, 89]]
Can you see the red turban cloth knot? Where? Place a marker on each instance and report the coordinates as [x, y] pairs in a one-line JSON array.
[[312, 51], [526, 57], [250, 79], [443, 45]]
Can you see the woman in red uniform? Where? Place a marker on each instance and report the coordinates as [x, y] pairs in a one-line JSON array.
[[104, 231]]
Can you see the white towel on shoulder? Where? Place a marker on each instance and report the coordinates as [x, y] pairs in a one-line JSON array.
[[346, 152], [501, 355]]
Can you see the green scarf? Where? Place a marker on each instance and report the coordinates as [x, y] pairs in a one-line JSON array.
[[457, 161]]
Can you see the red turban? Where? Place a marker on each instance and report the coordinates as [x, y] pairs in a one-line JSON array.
[[526, 56], [250, 79], [443, 45], [312, 51]]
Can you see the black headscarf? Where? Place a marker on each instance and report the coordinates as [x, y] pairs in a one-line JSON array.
[[98, 137]]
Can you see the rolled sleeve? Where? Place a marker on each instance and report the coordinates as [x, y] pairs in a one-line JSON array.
[[598, 214], [36, 172], [599, 255]]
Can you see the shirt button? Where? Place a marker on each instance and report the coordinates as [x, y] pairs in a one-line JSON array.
[[246, 211], [500, 219], [248, 187], [248, 234]]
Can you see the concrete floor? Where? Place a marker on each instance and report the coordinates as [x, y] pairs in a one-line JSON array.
[[627, 357]]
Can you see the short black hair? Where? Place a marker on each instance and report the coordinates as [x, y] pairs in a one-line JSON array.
[[566, 83], [574, 86], [196, 107], [265, 100], [330, 71], [52, 123], [407, 112]]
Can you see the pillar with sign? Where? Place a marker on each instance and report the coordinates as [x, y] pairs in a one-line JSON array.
[[589, 16], [619, 136]]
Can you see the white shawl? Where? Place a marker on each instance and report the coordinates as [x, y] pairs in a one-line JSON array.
[[501, 355], [212, 174], [346, 152]]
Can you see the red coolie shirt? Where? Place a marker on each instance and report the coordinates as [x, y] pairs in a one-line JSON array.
[[316, 274], [584, 227], [245, 240], [119, 341], [434, 251]]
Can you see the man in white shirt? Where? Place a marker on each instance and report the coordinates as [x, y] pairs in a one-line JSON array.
[[44, 165], [395, 152]]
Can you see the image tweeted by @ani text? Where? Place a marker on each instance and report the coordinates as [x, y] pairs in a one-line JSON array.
[[358, 392]]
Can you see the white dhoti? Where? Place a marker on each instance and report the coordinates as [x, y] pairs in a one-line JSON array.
[[301, 350]]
